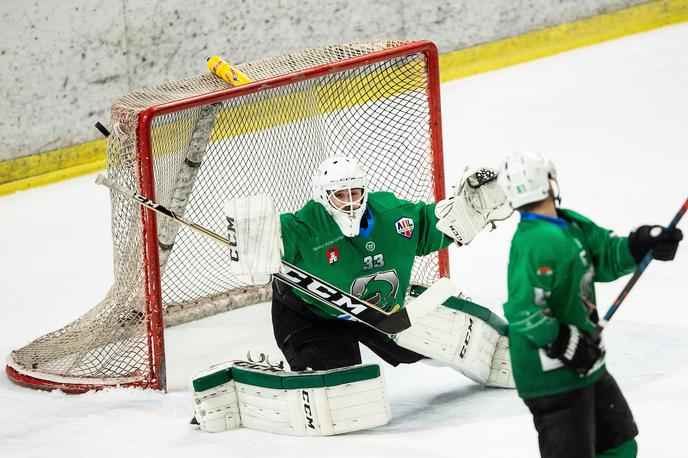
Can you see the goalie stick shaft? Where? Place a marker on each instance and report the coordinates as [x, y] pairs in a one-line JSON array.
[[639, 271], [389, 323]]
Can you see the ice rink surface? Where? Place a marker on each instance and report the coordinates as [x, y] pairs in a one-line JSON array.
[[613, 119]]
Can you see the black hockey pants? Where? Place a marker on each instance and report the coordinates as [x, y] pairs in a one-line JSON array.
[[309, 341], [584, 423]]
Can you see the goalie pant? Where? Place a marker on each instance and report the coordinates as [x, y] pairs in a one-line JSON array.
[[458, 334]]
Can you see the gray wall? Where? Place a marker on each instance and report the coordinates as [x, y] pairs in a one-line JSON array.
[[62, 62]]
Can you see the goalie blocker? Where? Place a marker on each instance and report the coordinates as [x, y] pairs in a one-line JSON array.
[[254, 238], [310, 403]]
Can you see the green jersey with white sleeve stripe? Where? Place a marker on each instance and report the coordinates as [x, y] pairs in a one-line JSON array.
[[553, 266]]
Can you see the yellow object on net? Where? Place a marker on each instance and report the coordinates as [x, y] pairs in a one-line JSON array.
[[225, 71]]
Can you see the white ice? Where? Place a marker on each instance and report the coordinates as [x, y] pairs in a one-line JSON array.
[[612, 117]]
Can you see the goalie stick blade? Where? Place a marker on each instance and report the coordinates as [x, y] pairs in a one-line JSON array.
[[429, 299]]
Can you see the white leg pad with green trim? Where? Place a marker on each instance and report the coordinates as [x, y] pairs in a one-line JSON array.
[[500, 371], [216, 408], [463, 342], [313, 403]]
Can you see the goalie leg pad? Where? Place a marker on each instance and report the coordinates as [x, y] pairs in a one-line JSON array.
[[474, 344], [500, 371], [310, 403], [216, 406]]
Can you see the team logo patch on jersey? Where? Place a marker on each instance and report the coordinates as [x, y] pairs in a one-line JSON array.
[[404, 227], [332, 255]]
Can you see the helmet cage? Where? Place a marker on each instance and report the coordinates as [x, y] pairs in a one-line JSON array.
[[341, 173], [348, 205]]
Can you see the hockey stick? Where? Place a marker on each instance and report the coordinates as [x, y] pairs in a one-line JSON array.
[[639, 271], [389, 323]]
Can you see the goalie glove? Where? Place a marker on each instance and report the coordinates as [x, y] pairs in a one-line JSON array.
[[255, 242], [477, 201]]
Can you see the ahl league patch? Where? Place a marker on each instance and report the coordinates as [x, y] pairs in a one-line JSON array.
[[404, 227], [332, 255]]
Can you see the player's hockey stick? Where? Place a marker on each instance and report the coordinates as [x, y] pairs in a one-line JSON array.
[[639, 271], [389, 323]]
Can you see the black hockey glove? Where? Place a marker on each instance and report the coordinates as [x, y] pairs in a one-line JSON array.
[[657, 238], [578, 350]]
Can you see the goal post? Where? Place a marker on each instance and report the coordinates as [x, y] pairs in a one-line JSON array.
[[194, 143]]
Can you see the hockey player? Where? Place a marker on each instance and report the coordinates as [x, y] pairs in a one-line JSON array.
[[556, 257], [366, 242]]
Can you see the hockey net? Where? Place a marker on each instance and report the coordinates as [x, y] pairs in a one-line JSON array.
[[192, 144]]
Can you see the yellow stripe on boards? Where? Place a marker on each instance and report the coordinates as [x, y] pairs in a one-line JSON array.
[[564, 37], [51, 177], [57, 165]]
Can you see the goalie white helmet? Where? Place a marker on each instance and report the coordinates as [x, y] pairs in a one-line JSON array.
[[525, 177], [340, 186]]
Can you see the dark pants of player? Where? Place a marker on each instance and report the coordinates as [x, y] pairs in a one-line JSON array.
[[309, 341], [585, 423]]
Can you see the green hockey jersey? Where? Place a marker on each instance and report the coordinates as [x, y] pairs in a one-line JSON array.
[[553, 265], [376, 264]]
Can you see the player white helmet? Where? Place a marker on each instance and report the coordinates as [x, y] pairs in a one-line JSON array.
[[525, 177], [340, 186]]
